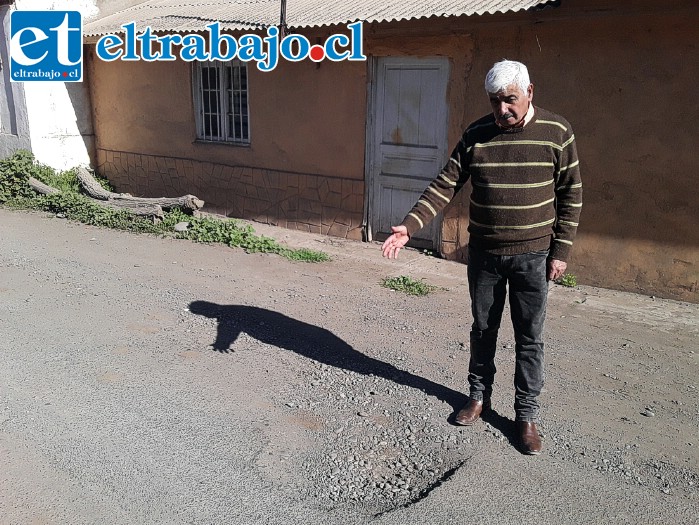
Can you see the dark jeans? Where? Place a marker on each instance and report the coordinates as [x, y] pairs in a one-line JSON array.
[[488, 277]]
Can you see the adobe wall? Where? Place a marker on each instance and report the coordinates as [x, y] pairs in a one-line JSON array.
[[305, 159], [304, 116]]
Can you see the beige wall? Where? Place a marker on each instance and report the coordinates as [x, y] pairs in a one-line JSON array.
[[623, 76], [303, 169], [302, 118]]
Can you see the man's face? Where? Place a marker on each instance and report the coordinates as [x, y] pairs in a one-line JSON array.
[[511, 104]]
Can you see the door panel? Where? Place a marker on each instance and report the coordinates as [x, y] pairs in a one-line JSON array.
[[409, 139]]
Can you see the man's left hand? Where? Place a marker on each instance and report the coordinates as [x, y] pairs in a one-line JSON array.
[[556, 269]]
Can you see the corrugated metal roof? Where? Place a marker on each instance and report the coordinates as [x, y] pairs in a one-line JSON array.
[[193, 15]]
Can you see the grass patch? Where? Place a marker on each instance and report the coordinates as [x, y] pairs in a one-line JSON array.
[[568, 280], [16, 193], [307, 255], [407, 285]]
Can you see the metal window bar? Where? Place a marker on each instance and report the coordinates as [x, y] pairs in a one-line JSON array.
[[210, 101], [237, 99], [223, 102]]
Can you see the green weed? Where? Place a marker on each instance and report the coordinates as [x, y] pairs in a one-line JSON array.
[[568, 280], [407, 285], [14, 175], [306, 255]]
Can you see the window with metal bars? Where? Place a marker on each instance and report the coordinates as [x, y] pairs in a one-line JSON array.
[[221, 101]]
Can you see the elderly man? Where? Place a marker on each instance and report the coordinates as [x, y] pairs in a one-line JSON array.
[[524, 210]]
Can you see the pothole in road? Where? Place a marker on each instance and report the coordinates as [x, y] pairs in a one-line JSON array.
[[384, 472], [427, 490]]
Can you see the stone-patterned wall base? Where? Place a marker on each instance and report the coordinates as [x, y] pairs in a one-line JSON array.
[[311, 203]]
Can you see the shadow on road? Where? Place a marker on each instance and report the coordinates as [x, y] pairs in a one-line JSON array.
[[310, 341], [504, 425]]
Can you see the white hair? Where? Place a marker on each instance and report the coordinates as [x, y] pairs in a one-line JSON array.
[[506, 73]]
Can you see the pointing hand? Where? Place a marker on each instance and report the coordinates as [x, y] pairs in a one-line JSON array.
[[395, 242]]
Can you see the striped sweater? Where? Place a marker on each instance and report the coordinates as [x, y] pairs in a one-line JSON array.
[[527, 192]]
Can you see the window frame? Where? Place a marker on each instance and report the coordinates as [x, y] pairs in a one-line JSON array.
[[224, 92]]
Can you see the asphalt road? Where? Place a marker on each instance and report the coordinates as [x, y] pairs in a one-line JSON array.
[[123, 400]]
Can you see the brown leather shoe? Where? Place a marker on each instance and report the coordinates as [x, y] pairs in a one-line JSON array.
[[529, 439], [471, 412]]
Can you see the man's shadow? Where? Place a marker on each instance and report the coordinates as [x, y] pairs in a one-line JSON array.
[[325, 347], [313, 342]]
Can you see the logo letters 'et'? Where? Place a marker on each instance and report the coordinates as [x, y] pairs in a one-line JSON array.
[[46, 45]]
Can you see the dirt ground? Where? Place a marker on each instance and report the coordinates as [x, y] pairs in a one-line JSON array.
[[149, 380]]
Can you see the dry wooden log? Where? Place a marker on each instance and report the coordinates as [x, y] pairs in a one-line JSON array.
[[42, 188], [145, 209], [95, 190], [91, 186], [142, 209]]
